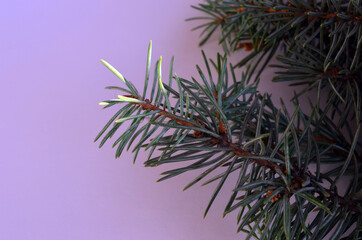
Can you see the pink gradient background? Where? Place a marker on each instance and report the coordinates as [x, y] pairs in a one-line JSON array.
[[54, 181]]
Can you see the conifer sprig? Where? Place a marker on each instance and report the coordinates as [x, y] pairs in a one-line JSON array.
[[227, 127], [325, 35]]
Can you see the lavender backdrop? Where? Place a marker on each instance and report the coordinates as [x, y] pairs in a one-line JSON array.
[[54, 181]]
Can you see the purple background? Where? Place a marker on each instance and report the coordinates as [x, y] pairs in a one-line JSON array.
[[54, 181]]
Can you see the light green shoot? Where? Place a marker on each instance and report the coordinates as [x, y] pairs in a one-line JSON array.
[[115, 71], [162, 87]]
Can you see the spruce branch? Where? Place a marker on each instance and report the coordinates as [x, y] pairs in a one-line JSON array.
[[229, 127], [330, 30]]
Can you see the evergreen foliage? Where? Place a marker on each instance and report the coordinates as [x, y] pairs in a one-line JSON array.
[[219, 122]]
